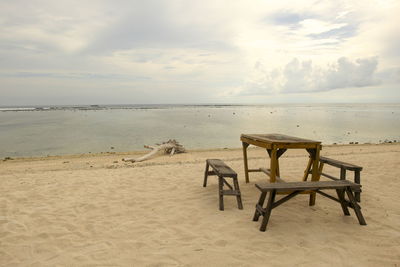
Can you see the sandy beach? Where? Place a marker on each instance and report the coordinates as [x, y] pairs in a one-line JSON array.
[[96, 210]]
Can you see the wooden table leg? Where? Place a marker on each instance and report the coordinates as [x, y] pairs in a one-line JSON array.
[[308, 168], [246, 167], [279, 153], [273, 165], [315, 163], [314, 175]]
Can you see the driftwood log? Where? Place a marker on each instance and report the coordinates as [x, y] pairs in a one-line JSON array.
[[170, 147]]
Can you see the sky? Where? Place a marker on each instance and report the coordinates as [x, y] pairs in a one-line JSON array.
[[154, 52]]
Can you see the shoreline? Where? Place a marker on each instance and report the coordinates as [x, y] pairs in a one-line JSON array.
[[140, 152]]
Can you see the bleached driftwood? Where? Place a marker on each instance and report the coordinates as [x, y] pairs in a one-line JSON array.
[[170, 147]]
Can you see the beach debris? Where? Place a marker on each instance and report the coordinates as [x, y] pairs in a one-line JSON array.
[[170, 147], [7, 158]]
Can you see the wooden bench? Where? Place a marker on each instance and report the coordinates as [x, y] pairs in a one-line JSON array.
[[223, 171], [296, 188], [343, 166]]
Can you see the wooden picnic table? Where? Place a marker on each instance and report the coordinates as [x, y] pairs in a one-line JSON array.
[[276, 145]]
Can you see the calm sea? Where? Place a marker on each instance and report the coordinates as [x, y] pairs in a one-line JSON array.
[[41, 131]]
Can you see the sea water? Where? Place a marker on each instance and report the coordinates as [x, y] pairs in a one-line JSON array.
[[42, 131]]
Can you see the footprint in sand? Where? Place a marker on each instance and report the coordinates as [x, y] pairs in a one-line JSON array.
[[221, 243]]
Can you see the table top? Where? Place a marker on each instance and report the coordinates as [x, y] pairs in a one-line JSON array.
[[278, 139]]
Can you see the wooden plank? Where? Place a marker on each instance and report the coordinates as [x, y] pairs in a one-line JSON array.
[[283, 145], [306, 185], [286, 198], [268, 209], [356, 208], [259, 210], [268, 172], [330, 176], [226, 183], [255, 142], [328, 196], [221, 169], [342, 201], [278, 138], [238, 196], [230, 192], [340, 164]]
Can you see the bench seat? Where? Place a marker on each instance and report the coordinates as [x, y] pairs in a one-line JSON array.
[[220, 169], [340, 164], [341, 187], [344, 167]]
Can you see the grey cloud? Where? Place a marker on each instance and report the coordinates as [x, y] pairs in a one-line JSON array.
[[349, 74], [302, 77], [293, 20], [340, 33], [288, 18]]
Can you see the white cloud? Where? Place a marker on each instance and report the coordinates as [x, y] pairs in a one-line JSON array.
[[304, 77], [315, 26]]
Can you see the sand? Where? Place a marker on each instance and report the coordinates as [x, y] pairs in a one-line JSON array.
[[95, 210]]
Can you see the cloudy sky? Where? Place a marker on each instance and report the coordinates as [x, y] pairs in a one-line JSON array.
[[209, 51]]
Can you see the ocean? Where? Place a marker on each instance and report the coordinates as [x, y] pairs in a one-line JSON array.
[[60, 130]]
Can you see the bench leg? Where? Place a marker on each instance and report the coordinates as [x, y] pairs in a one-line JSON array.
[[268, 209], [312, 199], [238, 196], [206, 175], [356, 208], [260, 204], [340, 194], [221, 193], [357, 181]]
